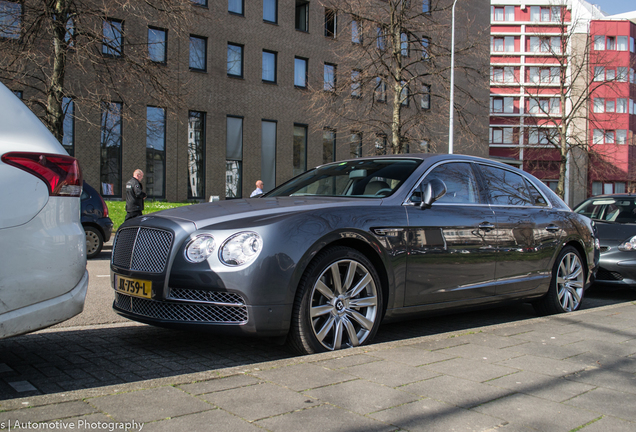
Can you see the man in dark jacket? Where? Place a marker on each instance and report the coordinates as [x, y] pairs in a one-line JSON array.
[[135, 195]]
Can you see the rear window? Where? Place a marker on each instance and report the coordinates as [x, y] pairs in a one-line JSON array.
[[609, 209]]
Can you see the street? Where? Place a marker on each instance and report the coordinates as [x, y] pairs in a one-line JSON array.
[[99, 348]]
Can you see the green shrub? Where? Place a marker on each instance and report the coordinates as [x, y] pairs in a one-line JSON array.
[[117, 209]]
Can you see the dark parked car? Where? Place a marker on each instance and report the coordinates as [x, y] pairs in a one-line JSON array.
[[615, 218], [325, 257], [95, 220]]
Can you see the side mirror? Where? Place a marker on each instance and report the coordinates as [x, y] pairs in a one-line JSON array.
[[431, 191]]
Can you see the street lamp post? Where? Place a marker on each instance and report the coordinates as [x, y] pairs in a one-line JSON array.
[[451, 115]]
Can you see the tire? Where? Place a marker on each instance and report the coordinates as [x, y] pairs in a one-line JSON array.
[[94, 242], [567, 285], [330, 312]]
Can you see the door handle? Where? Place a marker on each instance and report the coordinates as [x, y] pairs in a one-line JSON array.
[[486, 226], [553, 228]]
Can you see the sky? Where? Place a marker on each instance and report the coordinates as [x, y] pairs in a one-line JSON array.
[[613, 7]]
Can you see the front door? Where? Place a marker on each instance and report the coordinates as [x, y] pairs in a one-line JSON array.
[[452, 245]]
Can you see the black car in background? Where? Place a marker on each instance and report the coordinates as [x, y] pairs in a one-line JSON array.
[[95, 220], [615, 218], [327, 256]]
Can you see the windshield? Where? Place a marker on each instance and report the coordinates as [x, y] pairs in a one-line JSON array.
[[368, 178], [618, 210]]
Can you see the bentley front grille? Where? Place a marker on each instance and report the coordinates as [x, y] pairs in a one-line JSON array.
[[182, 312], [142, 249]]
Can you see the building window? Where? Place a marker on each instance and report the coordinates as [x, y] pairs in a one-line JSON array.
[[380, 89], [503, 135], [203, 3], [599, 105], [300, 72], [196, 155], [502, 75], [68, 125], [329, 80], [622, 73], [545, 14], [621, 136], [380, 38], [331, 23], [425, 103], [110, 149], [502, 13], [404, 45], [355, 145], [610, 106], [404, 94], [112, 37], [157, 44], [269, 66], [500, 104], [356, 85], [380, 144], [599, 73], [234, 158], [198, 53], [621, 106], [270, 11], [503, 44], [328, 146], [69, 36], [155, 152], [621, 43], [299, 155], [302, 15], [610, 43], [599, 43], [426, 53], [10, 19], [235, 60], [268, 154], [356, 31], [426, 6], [541, 136], [18, 93], [235, 7]]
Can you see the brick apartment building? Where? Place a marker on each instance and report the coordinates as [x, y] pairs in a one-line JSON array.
[[537, 48], [245, 69]]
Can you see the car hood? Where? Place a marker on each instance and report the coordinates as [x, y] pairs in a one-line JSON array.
[[610, 233], [202, 215]]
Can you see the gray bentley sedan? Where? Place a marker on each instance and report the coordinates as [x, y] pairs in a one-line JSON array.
[[327, 256]]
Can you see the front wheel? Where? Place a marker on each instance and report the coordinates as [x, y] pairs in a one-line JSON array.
[[566, 286], [338, 304]]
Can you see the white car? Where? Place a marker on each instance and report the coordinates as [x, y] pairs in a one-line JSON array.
[[43, 277]]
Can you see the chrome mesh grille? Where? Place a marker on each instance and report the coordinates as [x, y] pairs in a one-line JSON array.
[[142, 249], [182, 312], [206, 296], [607, 275]]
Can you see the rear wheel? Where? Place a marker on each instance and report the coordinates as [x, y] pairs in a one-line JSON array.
[[338, 304], [566, 286], [94, 242]]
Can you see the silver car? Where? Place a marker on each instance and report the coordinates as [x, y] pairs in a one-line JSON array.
[[43, 277]]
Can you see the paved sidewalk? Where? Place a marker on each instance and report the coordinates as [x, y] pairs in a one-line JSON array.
[[557, 373]]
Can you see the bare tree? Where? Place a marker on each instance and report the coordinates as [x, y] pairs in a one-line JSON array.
[[46, 47], [392, 77], [559, 91]]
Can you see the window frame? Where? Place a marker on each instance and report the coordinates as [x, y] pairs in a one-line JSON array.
[[305, 62], [109, 50], [275, 54], [229, 67], [165, 45], [204, 40]]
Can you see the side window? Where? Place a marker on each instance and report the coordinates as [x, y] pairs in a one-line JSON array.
[[537, 198], [506, 188], [460, 181]]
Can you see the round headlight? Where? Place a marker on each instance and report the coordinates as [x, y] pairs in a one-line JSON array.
[[241, 248], [628, 245], [199, 248]]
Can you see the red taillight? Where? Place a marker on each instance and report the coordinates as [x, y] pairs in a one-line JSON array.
[[61, 173], [105, 212]]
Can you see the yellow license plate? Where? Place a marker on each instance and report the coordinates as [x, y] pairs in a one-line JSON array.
[[134, 287]]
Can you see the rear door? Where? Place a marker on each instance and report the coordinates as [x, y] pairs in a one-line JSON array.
[[528, 230]]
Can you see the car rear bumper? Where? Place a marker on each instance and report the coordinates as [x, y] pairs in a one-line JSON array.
[[46, 313]]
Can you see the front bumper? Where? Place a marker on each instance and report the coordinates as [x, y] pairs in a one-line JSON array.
[[617, 268], [221, 317]]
